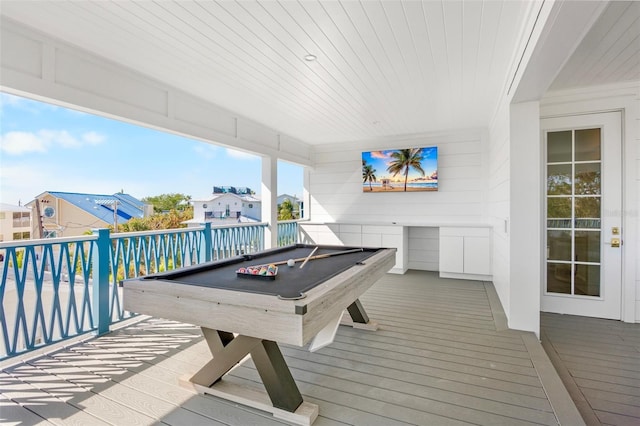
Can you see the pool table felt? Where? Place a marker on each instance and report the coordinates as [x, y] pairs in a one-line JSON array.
[[289, 283]]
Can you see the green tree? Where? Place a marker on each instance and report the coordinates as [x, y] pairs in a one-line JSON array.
[[167, 202], [405, 160], [170, 220], [286, 210], [368, 174]]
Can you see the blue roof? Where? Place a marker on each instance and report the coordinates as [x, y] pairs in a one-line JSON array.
[[102, 206]]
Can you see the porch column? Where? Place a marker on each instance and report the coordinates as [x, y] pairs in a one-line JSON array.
[[306, 194], [269, 194], [526, 216]]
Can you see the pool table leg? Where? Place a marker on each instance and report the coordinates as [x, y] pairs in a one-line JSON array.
[[281, 389], [357, 312], [358, 317], [276, 376]]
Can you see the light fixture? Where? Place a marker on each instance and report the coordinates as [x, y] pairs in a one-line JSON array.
[[309, 57]]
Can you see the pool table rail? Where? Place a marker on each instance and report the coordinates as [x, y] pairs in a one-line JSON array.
[[267, 317]]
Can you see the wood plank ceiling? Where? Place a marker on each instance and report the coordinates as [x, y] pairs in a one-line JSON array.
[[383, 68], [610, 52]]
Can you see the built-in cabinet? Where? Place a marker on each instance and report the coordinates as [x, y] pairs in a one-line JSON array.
[[390, 236], [458, 252], [465, 252]]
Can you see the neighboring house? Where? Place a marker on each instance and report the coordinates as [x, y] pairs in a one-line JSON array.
[[225, 207], [15, 222], [67, 214], [231, 207], [297, 203]]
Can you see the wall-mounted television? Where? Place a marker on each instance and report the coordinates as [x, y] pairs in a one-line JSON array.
[[400, 170]]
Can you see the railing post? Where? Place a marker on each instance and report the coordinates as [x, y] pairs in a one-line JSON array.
[[208, 244], [100, 272]]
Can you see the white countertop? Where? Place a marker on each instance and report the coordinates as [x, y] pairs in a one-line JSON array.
[[434, 224]]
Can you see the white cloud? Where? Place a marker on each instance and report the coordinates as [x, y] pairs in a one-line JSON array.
[[59, 137], [93, 138], [9, 100], [206, 150], [240, 155], [24, 104], [17, 142]]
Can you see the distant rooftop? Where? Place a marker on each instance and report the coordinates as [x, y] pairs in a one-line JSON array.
[[232, 190], [4, 207], [103, 206]]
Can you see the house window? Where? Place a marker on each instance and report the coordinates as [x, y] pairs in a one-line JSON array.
[[21, 235], [20, 219], [49, 211], [250, 206]]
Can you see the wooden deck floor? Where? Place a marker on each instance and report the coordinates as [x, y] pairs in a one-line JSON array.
[[599, 362], [437, 359]]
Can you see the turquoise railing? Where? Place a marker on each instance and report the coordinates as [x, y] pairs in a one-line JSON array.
[[288, 233], [58, 288]]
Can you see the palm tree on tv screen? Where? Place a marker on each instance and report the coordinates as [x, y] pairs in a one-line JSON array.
[[368, 174], [405, 160]]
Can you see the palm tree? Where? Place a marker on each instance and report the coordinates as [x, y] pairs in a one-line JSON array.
[[404, 160], [285, 210], [368, 174]]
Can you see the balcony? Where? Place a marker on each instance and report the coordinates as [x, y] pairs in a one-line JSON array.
[[443, 354]]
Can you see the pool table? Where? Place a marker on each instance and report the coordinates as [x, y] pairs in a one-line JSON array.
[[242, 314]]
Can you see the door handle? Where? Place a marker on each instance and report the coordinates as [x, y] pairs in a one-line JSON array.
[[615, 242]]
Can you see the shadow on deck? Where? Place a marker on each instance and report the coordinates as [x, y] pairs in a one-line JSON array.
[[440, 357]]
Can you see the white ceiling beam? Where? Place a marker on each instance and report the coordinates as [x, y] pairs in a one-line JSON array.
[[559, 29]]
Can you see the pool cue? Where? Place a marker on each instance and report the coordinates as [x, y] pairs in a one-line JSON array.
[[319, 256], [308, 257]]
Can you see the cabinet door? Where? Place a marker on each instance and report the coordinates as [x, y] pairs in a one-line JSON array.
[[452, 254], [477, 255]]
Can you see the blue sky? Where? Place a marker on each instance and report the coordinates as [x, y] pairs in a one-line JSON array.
[[49, 148]]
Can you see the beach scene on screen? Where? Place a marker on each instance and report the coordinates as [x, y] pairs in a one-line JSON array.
[[400, 170]]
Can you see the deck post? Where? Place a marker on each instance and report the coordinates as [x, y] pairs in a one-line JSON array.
[[206, 253], [269, 193], [100, 266]]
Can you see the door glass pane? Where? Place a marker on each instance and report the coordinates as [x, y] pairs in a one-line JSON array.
[[559, 245], [559, 179], [587, 212], [574, 212], [588, 145], [587, 179], [559, 146], [587, 245], [559, 278], [587, 280], [559, 207]]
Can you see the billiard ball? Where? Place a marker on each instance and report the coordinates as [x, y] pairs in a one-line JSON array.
[[291, 262]]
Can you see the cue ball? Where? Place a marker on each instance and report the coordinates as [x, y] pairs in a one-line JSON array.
[[291, 262]]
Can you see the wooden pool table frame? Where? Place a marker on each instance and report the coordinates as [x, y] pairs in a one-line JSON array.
[[258, 322]]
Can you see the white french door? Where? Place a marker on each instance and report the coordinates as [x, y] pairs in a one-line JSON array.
[[583, 212]]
